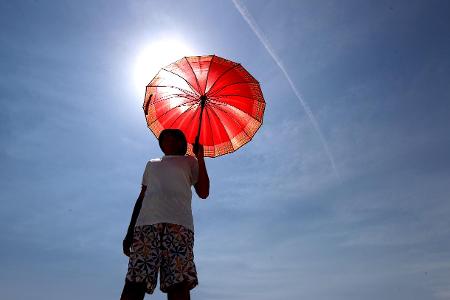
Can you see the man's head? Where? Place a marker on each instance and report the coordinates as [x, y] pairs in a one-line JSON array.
[[172, 142]]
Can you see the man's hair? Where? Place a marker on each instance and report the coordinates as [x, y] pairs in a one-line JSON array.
[[178, 134]]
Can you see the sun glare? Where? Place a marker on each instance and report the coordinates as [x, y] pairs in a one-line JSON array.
[[156, 56]]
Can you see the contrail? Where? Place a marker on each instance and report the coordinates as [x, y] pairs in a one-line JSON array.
[[255, 28]]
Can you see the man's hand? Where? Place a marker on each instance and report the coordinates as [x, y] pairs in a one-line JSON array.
[[198, 151], [126, 244]]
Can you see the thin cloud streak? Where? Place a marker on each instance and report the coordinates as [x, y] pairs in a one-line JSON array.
[[255, 28]]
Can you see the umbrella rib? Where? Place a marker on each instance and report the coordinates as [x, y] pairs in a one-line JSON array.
[[146, 104], [223, 126], [235, 120], [220, 76], [249, 137], [217, 102], [180, 116], [165, 98], [207, 75], [173, 86], [168, 98], [195, 75], [193, 89], [169, 111], [234, 83], [210, 126], [243, 130], [192, 118], [237, 95]]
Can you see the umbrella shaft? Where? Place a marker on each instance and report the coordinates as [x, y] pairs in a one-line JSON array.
[[200, 124]]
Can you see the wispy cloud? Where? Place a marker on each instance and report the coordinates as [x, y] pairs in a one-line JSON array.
[[262, 38]]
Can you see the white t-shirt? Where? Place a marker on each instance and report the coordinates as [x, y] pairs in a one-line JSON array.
[[168, 195]]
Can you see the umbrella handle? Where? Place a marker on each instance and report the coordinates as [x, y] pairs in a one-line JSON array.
[[196, 144], [203, 99]]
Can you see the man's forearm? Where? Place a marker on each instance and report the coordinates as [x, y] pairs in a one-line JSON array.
[[134, 216], [136, 210], [203, 178]]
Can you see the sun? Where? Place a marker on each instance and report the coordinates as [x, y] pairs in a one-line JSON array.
[[155, 56]]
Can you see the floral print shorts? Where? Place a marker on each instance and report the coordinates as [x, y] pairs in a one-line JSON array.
[[165, 247]]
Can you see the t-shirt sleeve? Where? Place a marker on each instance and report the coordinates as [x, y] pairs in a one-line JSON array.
[[145, 175], [194, 170]]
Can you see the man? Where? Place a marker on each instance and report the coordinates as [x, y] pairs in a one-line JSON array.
[[161, 231]]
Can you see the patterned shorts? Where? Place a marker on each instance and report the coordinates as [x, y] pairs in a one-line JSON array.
[[164, 246]]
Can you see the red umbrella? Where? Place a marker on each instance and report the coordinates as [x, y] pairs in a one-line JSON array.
[[214, 101]]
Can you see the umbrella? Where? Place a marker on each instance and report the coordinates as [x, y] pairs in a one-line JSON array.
[[214, 101]]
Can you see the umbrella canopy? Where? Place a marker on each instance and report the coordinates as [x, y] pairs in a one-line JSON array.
[[214, 101]]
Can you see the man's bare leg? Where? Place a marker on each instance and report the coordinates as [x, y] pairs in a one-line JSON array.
[[133, 291], [179, 291]]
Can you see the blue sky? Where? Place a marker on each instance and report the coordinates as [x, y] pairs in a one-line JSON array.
[[279, 223]]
